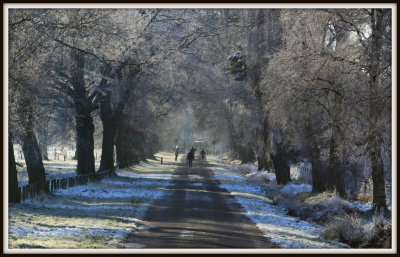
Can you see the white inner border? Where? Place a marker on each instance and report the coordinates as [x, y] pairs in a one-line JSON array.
[[202, 251]]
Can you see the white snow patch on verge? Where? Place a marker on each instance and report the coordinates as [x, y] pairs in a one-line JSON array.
[[285, 230], [143, 189], [73, 231], [261, 177], [360, 207], [295, 189], [289, 232]]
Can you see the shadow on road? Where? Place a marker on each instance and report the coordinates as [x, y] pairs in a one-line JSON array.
[[196, 213]]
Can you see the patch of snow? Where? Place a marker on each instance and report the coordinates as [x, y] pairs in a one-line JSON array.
[[261, 177], [287, 231], [360, 207], [97, 191], [68, 230], [144, 183], [295, 189]]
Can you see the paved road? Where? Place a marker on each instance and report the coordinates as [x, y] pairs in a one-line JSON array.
[[196, 213]]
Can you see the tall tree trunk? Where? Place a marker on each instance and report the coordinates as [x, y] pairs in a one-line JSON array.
[[281, 165], [318, 179], [335, 169], [109, 131], [111, 120], [246, 154], [379, 193], [127, 155], [122, 156], [375, 109], [84, 120], [33, 160], [264, 37], [107, 150], [30, 147], [14, 195], [336, 153], [85, 144], [43, 149], [264, 159]]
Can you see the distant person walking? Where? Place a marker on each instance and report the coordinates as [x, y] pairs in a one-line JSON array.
[[202, 154], [176, 152], [190, 156]]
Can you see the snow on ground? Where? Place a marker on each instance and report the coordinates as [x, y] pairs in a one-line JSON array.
[[288, 231], [295, 189], [261, 177], [360, 206], [96, 215], [53, 169], [139, 188]]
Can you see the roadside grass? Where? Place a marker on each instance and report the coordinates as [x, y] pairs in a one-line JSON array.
[[80, 222], [357, 232], [272, 220], [97, 215], [336, 219]]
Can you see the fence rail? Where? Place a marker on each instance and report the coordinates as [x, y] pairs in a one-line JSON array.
[[31, 190]]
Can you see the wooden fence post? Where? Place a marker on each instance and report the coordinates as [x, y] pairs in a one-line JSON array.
[[161, 160]]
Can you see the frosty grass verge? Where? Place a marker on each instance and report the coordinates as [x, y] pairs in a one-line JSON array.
[[287, 231], [106, 211]]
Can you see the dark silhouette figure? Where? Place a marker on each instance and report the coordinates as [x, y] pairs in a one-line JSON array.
[[202, 154], [190, 157]]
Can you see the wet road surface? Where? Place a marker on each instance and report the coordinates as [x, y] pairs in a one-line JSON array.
[[196, 213]]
